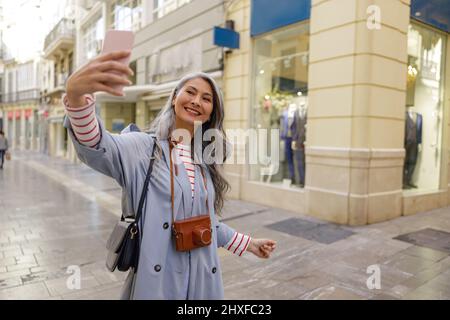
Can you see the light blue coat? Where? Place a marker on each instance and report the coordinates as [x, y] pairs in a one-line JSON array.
[[190, 275]]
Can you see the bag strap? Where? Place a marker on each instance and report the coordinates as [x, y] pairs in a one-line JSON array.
[[147, 180]]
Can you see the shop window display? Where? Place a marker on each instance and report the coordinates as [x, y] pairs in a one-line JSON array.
[[424, 108], [280, 99]]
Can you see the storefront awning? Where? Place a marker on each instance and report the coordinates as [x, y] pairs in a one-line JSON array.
[[132, 94], [432, 12]]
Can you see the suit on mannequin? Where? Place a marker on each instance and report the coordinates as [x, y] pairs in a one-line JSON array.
[[299, 137], [286, 121], [413, 138]]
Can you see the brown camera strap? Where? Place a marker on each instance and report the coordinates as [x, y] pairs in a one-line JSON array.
[[172, 196]]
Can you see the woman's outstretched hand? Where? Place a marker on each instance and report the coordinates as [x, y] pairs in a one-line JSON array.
[[100, 74], [262, 248]]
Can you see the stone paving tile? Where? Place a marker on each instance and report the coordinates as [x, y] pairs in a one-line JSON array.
[[105, 292], [335, 292], [59, 287], [391, 277], [14, 274], [409, 264], [7, 262], [423, 293], [10, 282], [103, 276], [21, 266], [319, 232], [25, 292], [425, 253], [12, 253], [384, 296]]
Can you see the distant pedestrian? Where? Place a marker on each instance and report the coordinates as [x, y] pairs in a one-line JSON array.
[[3, 148], [180, 188]]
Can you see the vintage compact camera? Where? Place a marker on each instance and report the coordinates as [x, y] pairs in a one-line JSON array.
[[192, 233]]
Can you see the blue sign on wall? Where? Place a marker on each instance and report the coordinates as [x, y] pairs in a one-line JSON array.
[[226, 38], [268, 15], [432, 12]]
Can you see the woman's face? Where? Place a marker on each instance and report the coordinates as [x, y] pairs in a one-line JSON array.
[[194, 102]]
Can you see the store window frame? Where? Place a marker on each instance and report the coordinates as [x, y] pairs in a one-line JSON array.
[[444, 141], [253, 96]]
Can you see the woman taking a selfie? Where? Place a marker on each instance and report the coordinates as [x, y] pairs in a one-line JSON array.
[[180, 187]]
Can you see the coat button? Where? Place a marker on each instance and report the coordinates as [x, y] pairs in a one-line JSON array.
[[166, 226], [157, 268], [214, 270]]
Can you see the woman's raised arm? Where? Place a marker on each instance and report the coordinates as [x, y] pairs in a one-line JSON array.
[[113, 155]]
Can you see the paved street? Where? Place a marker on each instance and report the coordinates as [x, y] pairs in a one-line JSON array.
[[55, 214]]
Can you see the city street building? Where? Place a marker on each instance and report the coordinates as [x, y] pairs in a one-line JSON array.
[[372, 78], [20, 103]]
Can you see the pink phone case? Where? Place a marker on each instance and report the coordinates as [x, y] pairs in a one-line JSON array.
[[117, 40]]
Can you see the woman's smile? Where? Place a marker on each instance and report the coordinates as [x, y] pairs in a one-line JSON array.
[[192, 111]]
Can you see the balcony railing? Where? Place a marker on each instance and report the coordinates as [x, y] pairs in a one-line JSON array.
[[64, 29], [26, 95]]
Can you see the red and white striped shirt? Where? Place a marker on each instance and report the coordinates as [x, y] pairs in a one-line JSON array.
[[84, 122], [238, 243], [184, 153]]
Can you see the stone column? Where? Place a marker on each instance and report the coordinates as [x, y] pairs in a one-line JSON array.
[[236, 90], [14, 124], [357, 92], [5, 122], [52, 139], [32, 128], [445, 178], [22, 130], [141, 115]]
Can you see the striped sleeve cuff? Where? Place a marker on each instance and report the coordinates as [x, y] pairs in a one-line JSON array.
[[84, 122], [238, 243]]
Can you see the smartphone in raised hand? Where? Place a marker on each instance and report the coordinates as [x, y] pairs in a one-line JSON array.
[[118, 40]]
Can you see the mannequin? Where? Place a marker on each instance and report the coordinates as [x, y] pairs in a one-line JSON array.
[[413, 141], [298, 143], [286, 121]]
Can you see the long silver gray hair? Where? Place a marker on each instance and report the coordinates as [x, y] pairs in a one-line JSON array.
[[164, 124]]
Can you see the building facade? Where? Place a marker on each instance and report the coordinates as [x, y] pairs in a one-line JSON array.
[[359, 92], [57, 67], [20, 103]]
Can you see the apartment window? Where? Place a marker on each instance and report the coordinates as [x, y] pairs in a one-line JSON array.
[[126, 14], [92, 38], [163, 7]]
